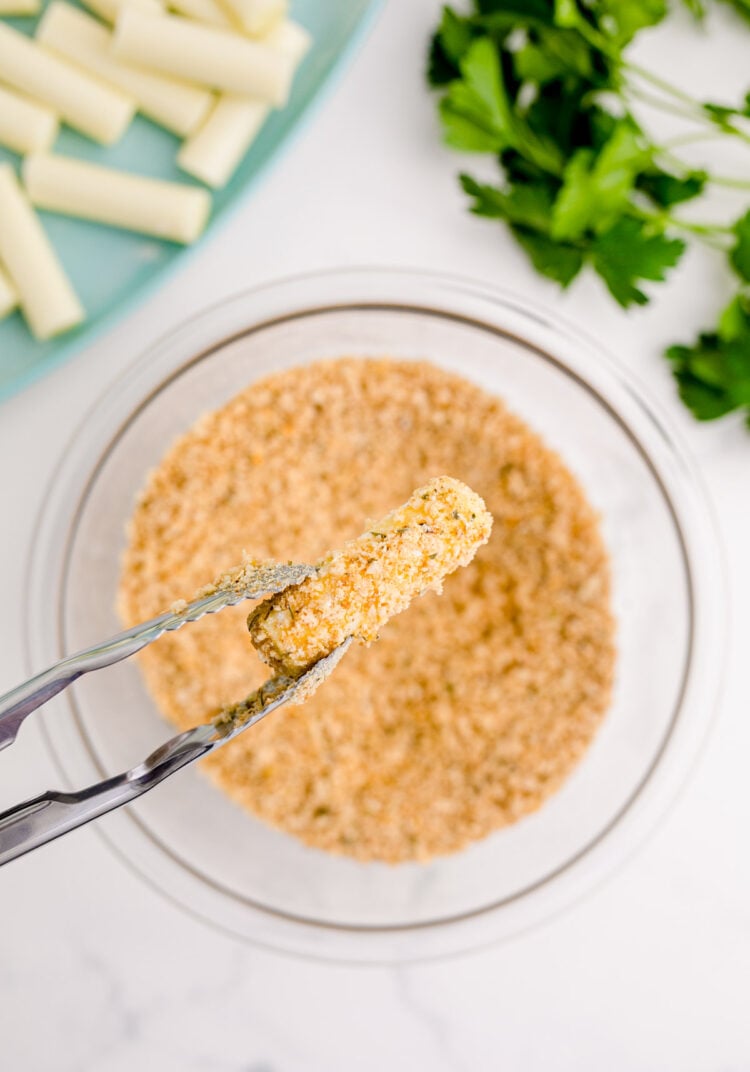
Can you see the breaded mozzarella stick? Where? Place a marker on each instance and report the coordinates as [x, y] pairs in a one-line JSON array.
[[357, 589]]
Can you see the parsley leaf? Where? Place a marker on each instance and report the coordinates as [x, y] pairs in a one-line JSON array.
[[557, 260], [464, 126], [449, 43], [696, 8], [455, 35], [706, 403], [628, 253], [527, 208], [567, 14], [742, 7], [475, 112], [596, 190], [477, 115], [516, 12], [665, 189], [529, 204], [544, 87], [619, 20], [622, 19], [713, 376], [551, 54], [740, 253]]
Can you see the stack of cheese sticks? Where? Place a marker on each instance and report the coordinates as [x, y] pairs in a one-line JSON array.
[[209, 71]]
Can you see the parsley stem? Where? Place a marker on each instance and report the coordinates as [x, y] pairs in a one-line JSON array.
[[693, 114], [690, 139], [684, 98], [692, 106], [711, 233], [660, 83], [696, 114], [736, 132], [672, 159], [730, 182], [705, 230]]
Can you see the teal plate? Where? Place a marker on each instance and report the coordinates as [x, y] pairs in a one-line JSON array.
[[111, 269]]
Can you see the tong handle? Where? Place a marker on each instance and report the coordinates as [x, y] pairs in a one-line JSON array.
[[46, 817], [17, 704]]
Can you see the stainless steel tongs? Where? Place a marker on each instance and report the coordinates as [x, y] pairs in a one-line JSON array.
[[41, 819]]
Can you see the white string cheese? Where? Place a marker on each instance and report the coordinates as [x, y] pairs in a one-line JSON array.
[[203, 10], [82, 101], [19, 7], [203, 54], [8, 294], [214, 152], [25, 125], [118, 198], [110, 9], [46, 297], [290, 39], [258, 17], [78, 37]]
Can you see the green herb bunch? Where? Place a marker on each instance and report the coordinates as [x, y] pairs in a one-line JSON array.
[[545, 86]]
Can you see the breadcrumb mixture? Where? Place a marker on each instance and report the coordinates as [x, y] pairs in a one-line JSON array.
[[475, 705], [356, 590]]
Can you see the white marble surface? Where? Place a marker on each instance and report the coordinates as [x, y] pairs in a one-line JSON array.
[[652, 971]]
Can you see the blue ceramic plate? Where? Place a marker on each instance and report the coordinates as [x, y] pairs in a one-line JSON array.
[[112, 269]]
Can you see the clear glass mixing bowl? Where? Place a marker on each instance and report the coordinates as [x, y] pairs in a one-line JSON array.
[[212, 858]]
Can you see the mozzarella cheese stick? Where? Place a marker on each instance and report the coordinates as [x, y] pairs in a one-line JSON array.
[[109, 9], [8, 294], [47, 299], [75, 35], [25, 126], [203, 11], [214, 152], [83, 102], [290, 39], [258, 17], [357, 589], [203, 54], [19, 7], [118, 198]]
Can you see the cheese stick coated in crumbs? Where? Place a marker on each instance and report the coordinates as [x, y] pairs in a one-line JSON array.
[[357, 589]]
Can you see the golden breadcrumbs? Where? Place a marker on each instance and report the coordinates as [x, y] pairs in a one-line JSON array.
[[356, 590], [474, 706]]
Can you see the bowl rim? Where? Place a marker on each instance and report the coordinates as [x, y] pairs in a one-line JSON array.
[[679, 480]]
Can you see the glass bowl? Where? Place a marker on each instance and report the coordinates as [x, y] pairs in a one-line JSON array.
[[186, 838]]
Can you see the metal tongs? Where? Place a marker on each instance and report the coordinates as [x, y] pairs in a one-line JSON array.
[[46, 817]]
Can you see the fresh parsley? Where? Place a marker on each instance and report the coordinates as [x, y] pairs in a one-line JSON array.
[[545, 87]]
